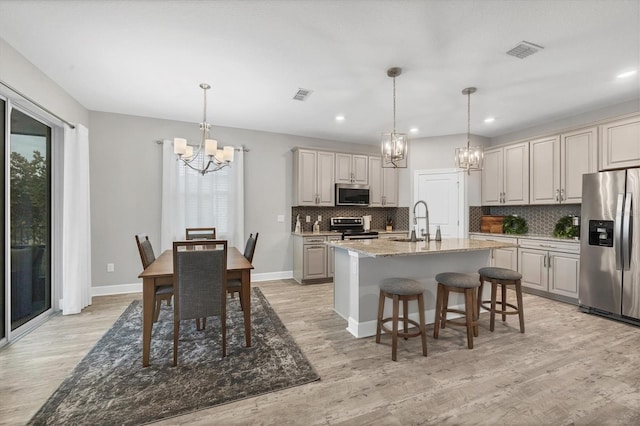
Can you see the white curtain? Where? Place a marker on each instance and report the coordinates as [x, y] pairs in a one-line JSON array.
[[76, 222], [192, 200]]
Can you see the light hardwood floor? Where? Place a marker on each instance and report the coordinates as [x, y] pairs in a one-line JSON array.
[[568, 368]]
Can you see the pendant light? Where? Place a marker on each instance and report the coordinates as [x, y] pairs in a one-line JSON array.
[[471, 157], [394, 145], [211, 157]]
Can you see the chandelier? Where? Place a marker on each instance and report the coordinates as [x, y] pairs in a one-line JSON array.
[[211, 158], [394, 145], [471, 157]]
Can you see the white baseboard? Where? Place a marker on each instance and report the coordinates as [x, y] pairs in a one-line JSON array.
[[270, 276], [108, 290]]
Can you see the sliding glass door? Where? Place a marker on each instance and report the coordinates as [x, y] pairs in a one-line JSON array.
[[3, 287], [30, 218]]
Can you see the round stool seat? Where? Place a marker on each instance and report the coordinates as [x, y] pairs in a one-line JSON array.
[[401, 286], [499, 273], [458, 280]]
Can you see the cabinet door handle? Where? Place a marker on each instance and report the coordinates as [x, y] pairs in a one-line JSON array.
[[557, 196], [562, 197], [549, 261], [544, 261]]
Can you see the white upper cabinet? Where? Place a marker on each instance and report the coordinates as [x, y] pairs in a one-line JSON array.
[[620, 144], [313, 178], [352, 168], [505, 175], [578, 156], [558, 163], [492, 177], [383, 184], [545, 170]]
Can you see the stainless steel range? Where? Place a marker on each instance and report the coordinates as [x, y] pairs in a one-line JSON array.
[[351, 228]]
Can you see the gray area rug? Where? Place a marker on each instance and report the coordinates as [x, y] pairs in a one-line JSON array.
[[109, 386]]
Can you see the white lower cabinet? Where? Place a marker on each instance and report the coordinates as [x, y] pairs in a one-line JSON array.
[[551, 267], [503, 257], [314, 261], [547, 266], [312, 258]]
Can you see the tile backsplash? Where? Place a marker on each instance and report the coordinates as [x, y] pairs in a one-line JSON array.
[[540, 219], [379, 215]]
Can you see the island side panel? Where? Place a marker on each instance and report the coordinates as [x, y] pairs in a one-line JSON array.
[[341, 283]]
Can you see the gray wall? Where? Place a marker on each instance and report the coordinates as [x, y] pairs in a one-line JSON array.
[[126, 180]]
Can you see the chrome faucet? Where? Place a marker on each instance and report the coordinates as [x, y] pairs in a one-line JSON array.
[[426, 235]]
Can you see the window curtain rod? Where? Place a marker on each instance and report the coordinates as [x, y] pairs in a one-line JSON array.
[[19, 93]]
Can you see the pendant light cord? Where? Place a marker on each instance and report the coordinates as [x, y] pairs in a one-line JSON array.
[[468, 121], [394, 105]]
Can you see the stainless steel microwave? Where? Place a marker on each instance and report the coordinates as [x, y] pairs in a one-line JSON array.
[[352, 195]]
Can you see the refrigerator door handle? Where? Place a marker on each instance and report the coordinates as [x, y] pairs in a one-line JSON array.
[[617, 236], [626, 232]]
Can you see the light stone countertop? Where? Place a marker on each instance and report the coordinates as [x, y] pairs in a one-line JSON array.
[[386, 248], [529, 236]]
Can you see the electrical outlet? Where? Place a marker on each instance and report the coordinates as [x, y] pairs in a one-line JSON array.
[[319, 218], [308, 219], [280, 218], [111, 267]]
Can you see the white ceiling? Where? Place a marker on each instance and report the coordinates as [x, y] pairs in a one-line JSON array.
[[148, 58]]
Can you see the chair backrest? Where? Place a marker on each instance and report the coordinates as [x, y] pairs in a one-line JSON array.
[[146, 251], [200, 277], [200, 233], [250, 247]]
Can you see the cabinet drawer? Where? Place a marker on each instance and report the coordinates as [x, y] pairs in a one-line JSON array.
[[549, 245], [313, 240]]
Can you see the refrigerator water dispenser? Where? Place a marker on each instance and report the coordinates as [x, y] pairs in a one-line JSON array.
[[601, 233]]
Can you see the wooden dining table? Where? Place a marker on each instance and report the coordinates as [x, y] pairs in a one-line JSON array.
[[160, 273]]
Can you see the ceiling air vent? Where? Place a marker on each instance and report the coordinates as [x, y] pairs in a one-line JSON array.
[[302, 94], [524, 49]]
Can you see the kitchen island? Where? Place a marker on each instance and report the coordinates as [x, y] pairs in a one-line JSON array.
[[360, 266]]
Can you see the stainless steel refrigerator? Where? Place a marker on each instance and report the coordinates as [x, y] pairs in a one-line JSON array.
[[610, 244]]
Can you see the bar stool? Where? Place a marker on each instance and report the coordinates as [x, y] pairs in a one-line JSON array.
[[503, 277], [401, 289], [457, 283]]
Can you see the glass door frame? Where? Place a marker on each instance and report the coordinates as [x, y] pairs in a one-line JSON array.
[[57, 138]]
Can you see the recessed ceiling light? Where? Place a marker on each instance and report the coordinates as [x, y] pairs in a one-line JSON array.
[[489, 120], [413, 130], [339, 117], [627, 74]]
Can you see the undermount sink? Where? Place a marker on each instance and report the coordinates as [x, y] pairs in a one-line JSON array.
[[408, 240]]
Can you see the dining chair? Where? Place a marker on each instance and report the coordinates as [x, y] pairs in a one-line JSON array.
[[163, 292], [200, 233], [200, 279], [235, 286]]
